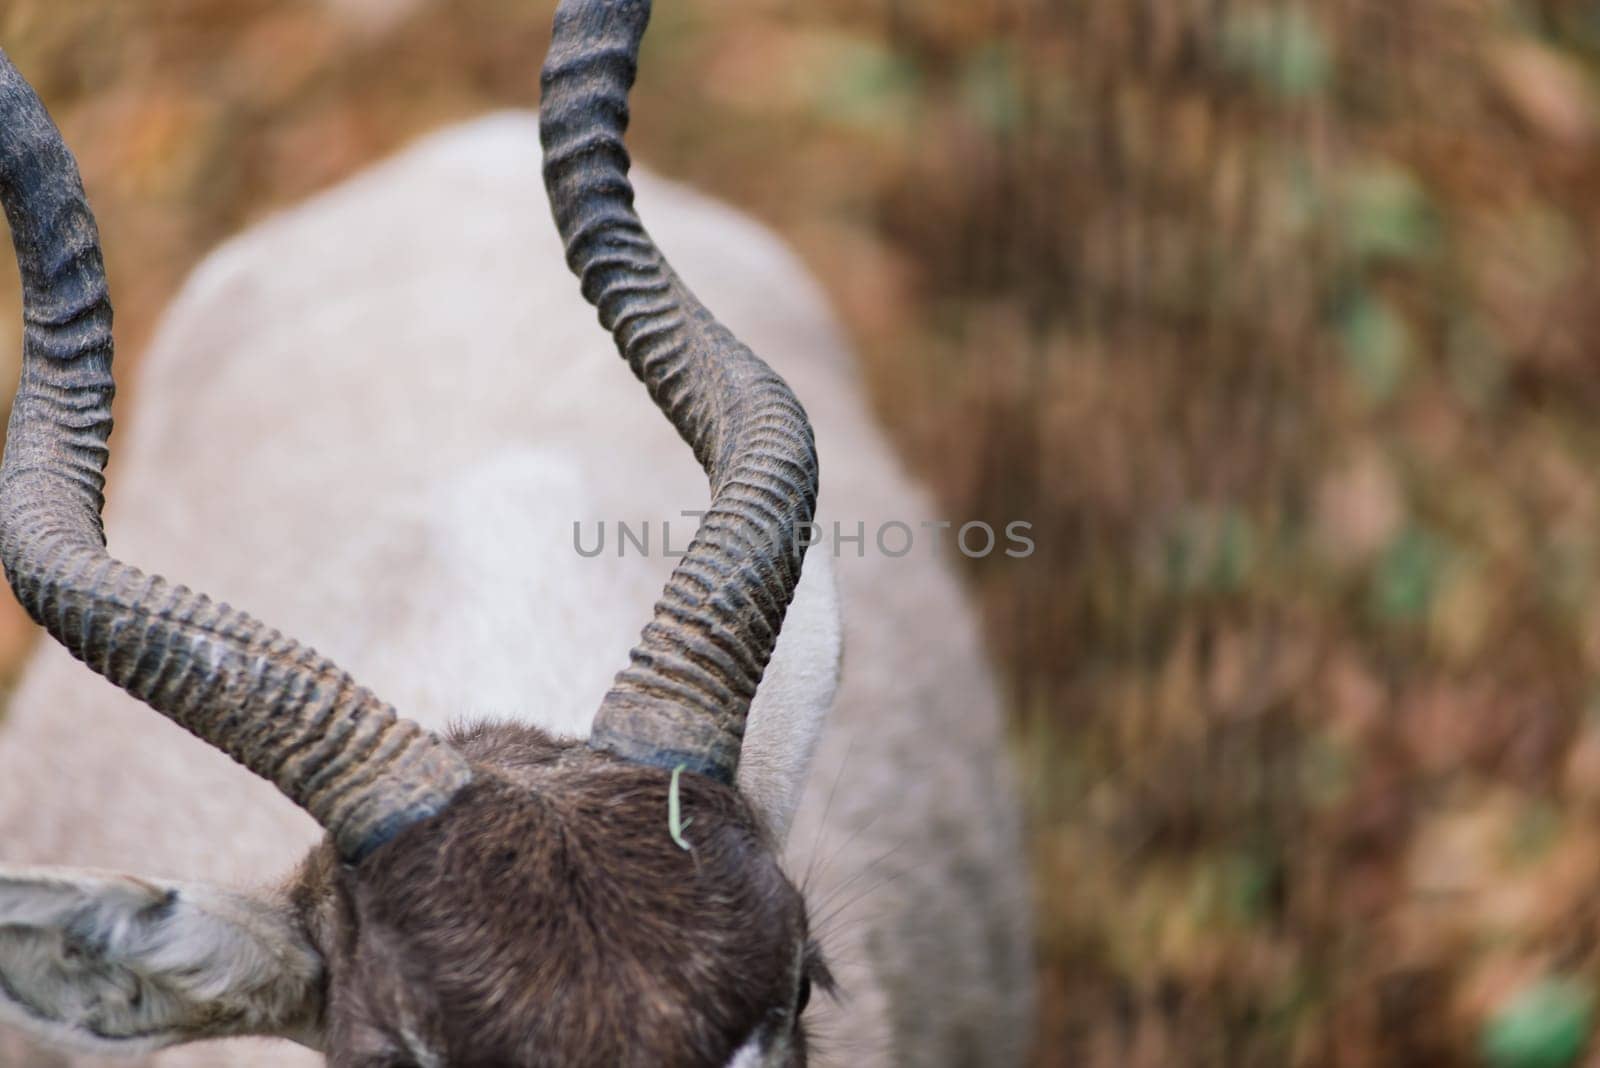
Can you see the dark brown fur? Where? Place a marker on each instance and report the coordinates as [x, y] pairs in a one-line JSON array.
[[547, 917]]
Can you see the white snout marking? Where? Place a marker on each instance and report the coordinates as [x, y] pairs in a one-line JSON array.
[[749, 1054]]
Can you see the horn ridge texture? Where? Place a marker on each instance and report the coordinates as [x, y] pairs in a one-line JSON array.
[[686, 691], [286, 713]]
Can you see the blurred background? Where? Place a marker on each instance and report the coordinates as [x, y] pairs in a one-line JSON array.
[[1279, 322]]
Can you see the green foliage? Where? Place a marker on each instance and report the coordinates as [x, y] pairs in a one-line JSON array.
[[1386, 214], [1281, 50], [991, 87], [1546, 1025], [1210, 550], [1327, 771], [869, 85], [1377, 346], [1476, 363], [1407, 578], [1537, 828], [1234, 888]]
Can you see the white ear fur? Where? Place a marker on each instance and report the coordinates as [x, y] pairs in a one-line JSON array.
[[119, 965], [791, 706]]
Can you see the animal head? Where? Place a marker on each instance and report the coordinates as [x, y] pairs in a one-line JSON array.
[[495, 897]]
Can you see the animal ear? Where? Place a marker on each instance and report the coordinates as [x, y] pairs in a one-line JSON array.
[[115, 964], [791, 706]]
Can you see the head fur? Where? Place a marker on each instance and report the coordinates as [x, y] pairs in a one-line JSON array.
[[548, 917]]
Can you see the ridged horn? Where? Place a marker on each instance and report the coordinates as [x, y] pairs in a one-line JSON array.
[[686, 691], [278, 708]]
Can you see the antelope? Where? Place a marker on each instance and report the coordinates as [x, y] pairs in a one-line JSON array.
[[378, 419]]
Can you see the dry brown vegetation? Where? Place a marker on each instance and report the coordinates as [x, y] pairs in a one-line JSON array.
[[1279, 323]]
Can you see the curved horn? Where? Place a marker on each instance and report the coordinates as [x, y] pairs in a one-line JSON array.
[[685, 694], [278, 708]]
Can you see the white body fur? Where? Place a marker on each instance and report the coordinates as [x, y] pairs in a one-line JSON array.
[[373, 421]]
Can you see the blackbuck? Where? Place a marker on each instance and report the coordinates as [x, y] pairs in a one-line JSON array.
[[377, 420]]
